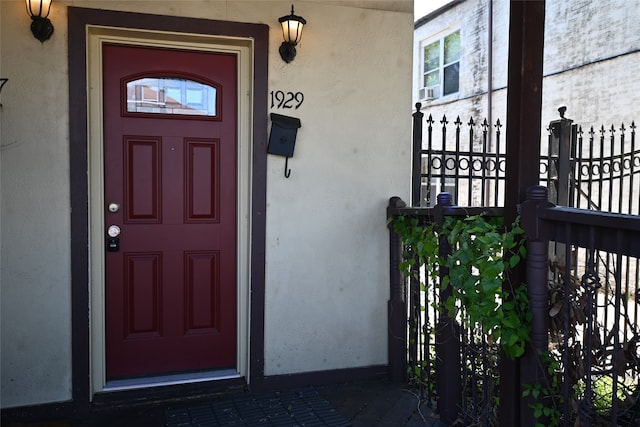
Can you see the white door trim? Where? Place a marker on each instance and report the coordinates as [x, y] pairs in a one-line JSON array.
[[243, 48]]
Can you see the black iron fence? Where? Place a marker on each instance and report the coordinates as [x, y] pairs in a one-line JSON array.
[[450, 363], [588, 319], [582, 276], [583, 358], [605, 169], [467, 160], [595, 168]]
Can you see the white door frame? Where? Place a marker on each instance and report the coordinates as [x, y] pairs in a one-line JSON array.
[[243, 48]]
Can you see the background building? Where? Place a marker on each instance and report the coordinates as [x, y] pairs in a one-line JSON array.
[[592, 52]]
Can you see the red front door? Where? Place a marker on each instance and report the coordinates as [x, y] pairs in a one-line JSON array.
[[170, 188]]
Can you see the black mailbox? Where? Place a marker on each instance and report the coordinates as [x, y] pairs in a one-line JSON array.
[[282, 139]]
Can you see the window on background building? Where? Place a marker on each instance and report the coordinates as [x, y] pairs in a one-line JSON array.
[[441, 67]]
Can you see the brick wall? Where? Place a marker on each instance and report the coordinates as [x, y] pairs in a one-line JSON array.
[[592, 58]]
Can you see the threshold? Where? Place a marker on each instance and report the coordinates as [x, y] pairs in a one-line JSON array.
[[167, 380]]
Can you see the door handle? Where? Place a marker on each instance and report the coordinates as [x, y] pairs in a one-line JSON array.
[[113, 231], [113, 238]]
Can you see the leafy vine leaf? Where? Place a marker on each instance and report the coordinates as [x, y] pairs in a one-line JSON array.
[[483, 250]]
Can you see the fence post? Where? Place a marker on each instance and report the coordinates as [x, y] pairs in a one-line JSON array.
[[533, 366], [396, 306], [448, 358], [561, 148], [416, 168], [562, 143]]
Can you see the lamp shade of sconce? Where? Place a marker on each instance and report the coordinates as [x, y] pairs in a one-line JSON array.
[[292, 26], [41, 26]]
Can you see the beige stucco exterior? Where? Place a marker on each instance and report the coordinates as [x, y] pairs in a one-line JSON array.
[[326, 239]]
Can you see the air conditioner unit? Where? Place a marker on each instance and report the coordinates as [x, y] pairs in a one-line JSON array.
[[428, 93]]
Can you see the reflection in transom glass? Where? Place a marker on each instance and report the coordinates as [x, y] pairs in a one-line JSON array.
[[171, 95]]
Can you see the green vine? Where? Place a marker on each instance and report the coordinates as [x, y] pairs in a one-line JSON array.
[[482, 252], [547, 396]]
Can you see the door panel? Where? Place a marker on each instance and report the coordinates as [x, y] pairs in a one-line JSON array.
[[202, 279], [170, 166], [142, 295], [202, 191], [142, 179]]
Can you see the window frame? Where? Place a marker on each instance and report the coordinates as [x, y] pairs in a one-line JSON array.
[[187, 78], [440, 39]]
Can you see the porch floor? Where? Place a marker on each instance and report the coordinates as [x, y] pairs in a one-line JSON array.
[[358, 404]]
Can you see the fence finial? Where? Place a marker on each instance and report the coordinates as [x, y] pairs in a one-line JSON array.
[[396, 202], [562, 109], [537, 193], [444, 199]]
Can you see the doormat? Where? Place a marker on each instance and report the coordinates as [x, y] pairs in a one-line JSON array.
[[294, 408]]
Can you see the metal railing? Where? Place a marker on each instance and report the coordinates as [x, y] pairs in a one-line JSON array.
[[606, 169], [585, 295], [595, 169], [468, 162], [584, 322], [588, 312], [449, 363]]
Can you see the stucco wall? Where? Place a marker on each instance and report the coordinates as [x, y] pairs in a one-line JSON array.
[[327, 257], [324, 237], [590, 60], [36, 318]]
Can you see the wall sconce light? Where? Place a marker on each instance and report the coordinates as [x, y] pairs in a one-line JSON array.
[[292, 32], [41, 26]]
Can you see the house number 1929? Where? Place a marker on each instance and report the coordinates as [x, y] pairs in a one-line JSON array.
[[280, 99]]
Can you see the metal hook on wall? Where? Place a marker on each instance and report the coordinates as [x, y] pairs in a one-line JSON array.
[[287, 171]]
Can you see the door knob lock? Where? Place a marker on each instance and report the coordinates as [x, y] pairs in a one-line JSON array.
[[113, 241], [113, 231]]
